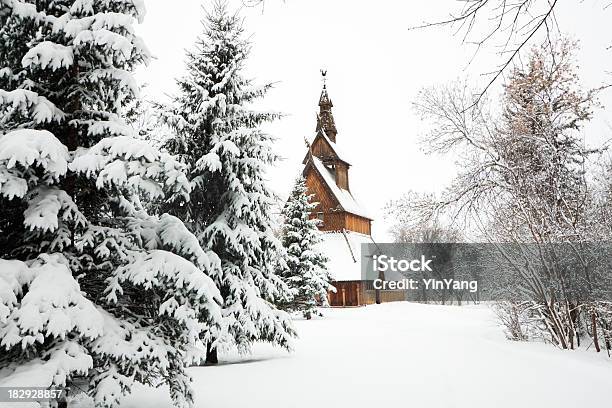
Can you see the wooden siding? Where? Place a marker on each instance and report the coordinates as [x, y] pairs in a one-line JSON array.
[[327, 205], [328, 208], [342, 175], [332, 221], [348, 293], [358, 224], [355, 293], [322, 149], [333, 218], [316, 185], [385, 296]]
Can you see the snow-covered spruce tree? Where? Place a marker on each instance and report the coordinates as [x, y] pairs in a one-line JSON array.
[[216, 134], [306, 273], [95, 294]]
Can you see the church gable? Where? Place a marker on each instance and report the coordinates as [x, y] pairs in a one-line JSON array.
[[323, 195], [329, 176], [326, 150], [328, 210], [323, 149]]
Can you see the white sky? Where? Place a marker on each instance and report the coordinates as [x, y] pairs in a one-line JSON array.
[[375, 67]]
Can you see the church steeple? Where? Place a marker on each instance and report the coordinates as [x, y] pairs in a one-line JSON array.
[[326, 170], [325, 118]]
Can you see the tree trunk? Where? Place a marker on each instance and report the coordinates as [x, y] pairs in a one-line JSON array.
[[594, 324], [211, 355]]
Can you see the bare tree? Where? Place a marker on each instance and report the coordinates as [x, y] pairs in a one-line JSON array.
[[410, 227], [523, 178], [511, 26]]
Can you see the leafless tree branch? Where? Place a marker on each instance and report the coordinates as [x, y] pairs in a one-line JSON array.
[[518, 20]]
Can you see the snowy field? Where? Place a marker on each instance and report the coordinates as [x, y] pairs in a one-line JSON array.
[[401, 355]]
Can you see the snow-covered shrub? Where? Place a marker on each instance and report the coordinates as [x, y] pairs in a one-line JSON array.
[[518, 319], [95, 294]]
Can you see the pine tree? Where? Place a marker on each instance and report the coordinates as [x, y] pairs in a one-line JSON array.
[[306, 273], [95, 294], [219, 138]]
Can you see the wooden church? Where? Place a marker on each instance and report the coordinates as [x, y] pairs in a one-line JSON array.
[[327, 176], [345, 224]]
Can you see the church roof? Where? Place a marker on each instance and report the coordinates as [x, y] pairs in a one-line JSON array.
[[344, 197], [344, 252], [340, 153]]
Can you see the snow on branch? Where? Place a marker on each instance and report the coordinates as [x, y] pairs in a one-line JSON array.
[[13, 275], [27, 147], [135, 8], [20, 151], [170, 233], [210, 161], [21, 9], [107, 39], [125, 79], [112, 31], [42, 306], [44, 209], [109, 21], [188, 285], [30, 104], [51, 307], [174, 235], [109, 128], [82, 7], [53, 368], [111, 387], [123, 161], [48, 54], [11, 183], [124, 339]]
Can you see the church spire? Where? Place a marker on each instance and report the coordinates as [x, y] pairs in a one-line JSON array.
[[325, 118]]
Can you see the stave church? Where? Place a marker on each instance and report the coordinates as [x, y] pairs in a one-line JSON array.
[[344, 222]]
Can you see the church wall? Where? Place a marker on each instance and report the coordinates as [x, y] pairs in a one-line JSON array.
[[333, 220], [358, 224], [316, 186], [320, 148], [348, 293], [357, 293]]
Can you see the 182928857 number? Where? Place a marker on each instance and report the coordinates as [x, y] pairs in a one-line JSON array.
[[31, 394]]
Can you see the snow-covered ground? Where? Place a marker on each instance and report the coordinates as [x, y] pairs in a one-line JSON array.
[[401, 355]]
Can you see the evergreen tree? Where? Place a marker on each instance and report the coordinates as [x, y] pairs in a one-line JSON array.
[[95, 294], [219, 138], [306, 273]]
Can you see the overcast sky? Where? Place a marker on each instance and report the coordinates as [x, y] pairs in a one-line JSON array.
[[375, 67]]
